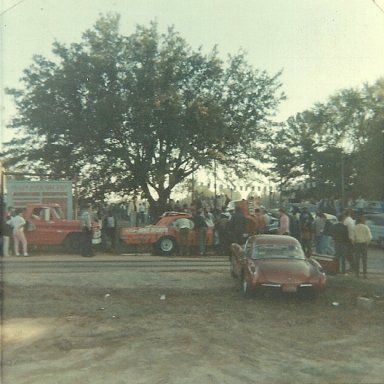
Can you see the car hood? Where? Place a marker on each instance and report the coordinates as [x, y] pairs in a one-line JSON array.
[[283, 270], [73, 224]]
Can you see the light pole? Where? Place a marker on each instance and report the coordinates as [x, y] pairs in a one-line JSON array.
[[215, 155]]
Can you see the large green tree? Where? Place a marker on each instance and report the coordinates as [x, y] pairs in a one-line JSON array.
[[336, 144], [139, 112]]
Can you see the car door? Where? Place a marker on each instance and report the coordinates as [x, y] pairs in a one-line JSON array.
[[38, 228], [237, 259]]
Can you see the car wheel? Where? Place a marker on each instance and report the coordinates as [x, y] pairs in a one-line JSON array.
[[381, 242], [166, 245], [72, 242]]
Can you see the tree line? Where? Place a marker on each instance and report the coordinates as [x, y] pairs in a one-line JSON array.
[[142, 113], [338, 145]]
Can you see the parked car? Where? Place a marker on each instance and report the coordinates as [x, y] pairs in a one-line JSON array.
[[46, 226], [375, 223], [273, 226], [374, 207], [275, 262], [370, 207], [298, 207], [163, 235]]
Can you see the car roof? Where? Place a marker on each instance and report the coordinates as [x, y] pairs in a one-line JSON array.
[[173, 213], [274, 240], [168, 217]]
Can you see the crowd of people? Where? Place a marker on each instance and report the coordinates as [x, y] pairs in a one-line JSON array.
[[99, 227], [228, 226], [315, 232], [348, 239]]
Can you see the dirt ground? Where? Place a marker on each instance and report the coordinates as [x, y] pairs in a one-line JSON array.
[[191, 326]]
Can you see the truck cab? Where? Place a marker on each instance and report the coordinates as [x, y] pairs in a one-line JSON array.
[[46, 226]]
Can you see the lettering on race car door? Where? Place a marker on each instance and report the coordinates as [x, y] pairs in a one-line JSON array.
[[145, 235]]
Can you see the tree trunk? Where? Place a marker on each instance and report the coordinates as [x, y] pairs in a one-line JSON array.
[[158, 207]]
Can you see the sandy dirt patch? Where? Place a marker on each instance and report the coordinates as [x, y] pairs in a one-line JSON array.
[[188, 326]]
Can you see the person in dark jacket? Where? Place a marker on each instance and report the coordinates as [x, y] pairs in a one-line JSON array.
[[238, 226], [109, 229], [339, 233], [306, 236], [7, 235], [222, 230], [201, 227]]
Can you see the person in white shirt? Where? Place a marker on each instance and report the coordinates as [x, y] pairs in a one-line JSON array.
[[361, 238], [208, 217], [350, 223], [86, 227], [17, 222], [360, 205], [283, 222]]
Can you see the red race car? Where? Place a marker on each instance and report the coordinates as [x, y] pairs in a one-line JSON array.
[[275, 261], [163, 235]]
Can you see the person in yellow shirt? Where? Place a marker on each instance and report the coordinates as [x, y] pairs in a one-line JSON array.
[[361, 238]]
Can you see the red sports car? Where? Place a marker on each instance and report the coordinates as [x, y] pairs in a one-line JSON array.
[[275, 261], [163, 236]]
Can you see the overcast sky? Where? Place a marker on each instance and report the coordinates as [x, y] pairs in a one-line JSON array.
[[321, 45]]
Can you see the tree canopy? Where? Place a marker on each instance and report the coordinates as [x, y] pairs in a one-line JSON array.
[[140, 112], [340, 141]]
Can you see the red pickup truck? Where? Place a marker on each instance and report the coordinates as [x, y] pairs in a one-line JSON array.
[[46, 226]]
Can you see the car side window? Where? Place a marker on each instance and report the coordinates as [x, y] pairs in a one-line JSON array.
[[258, 252], [37, 214]]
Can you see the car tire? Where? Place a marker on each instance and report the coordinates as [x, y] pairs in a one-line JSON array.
[[166, 245], [381, 243], [72, 242]]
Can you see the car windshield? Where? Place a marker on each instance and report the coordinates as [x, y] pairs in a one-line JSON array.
[[275, 251]]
